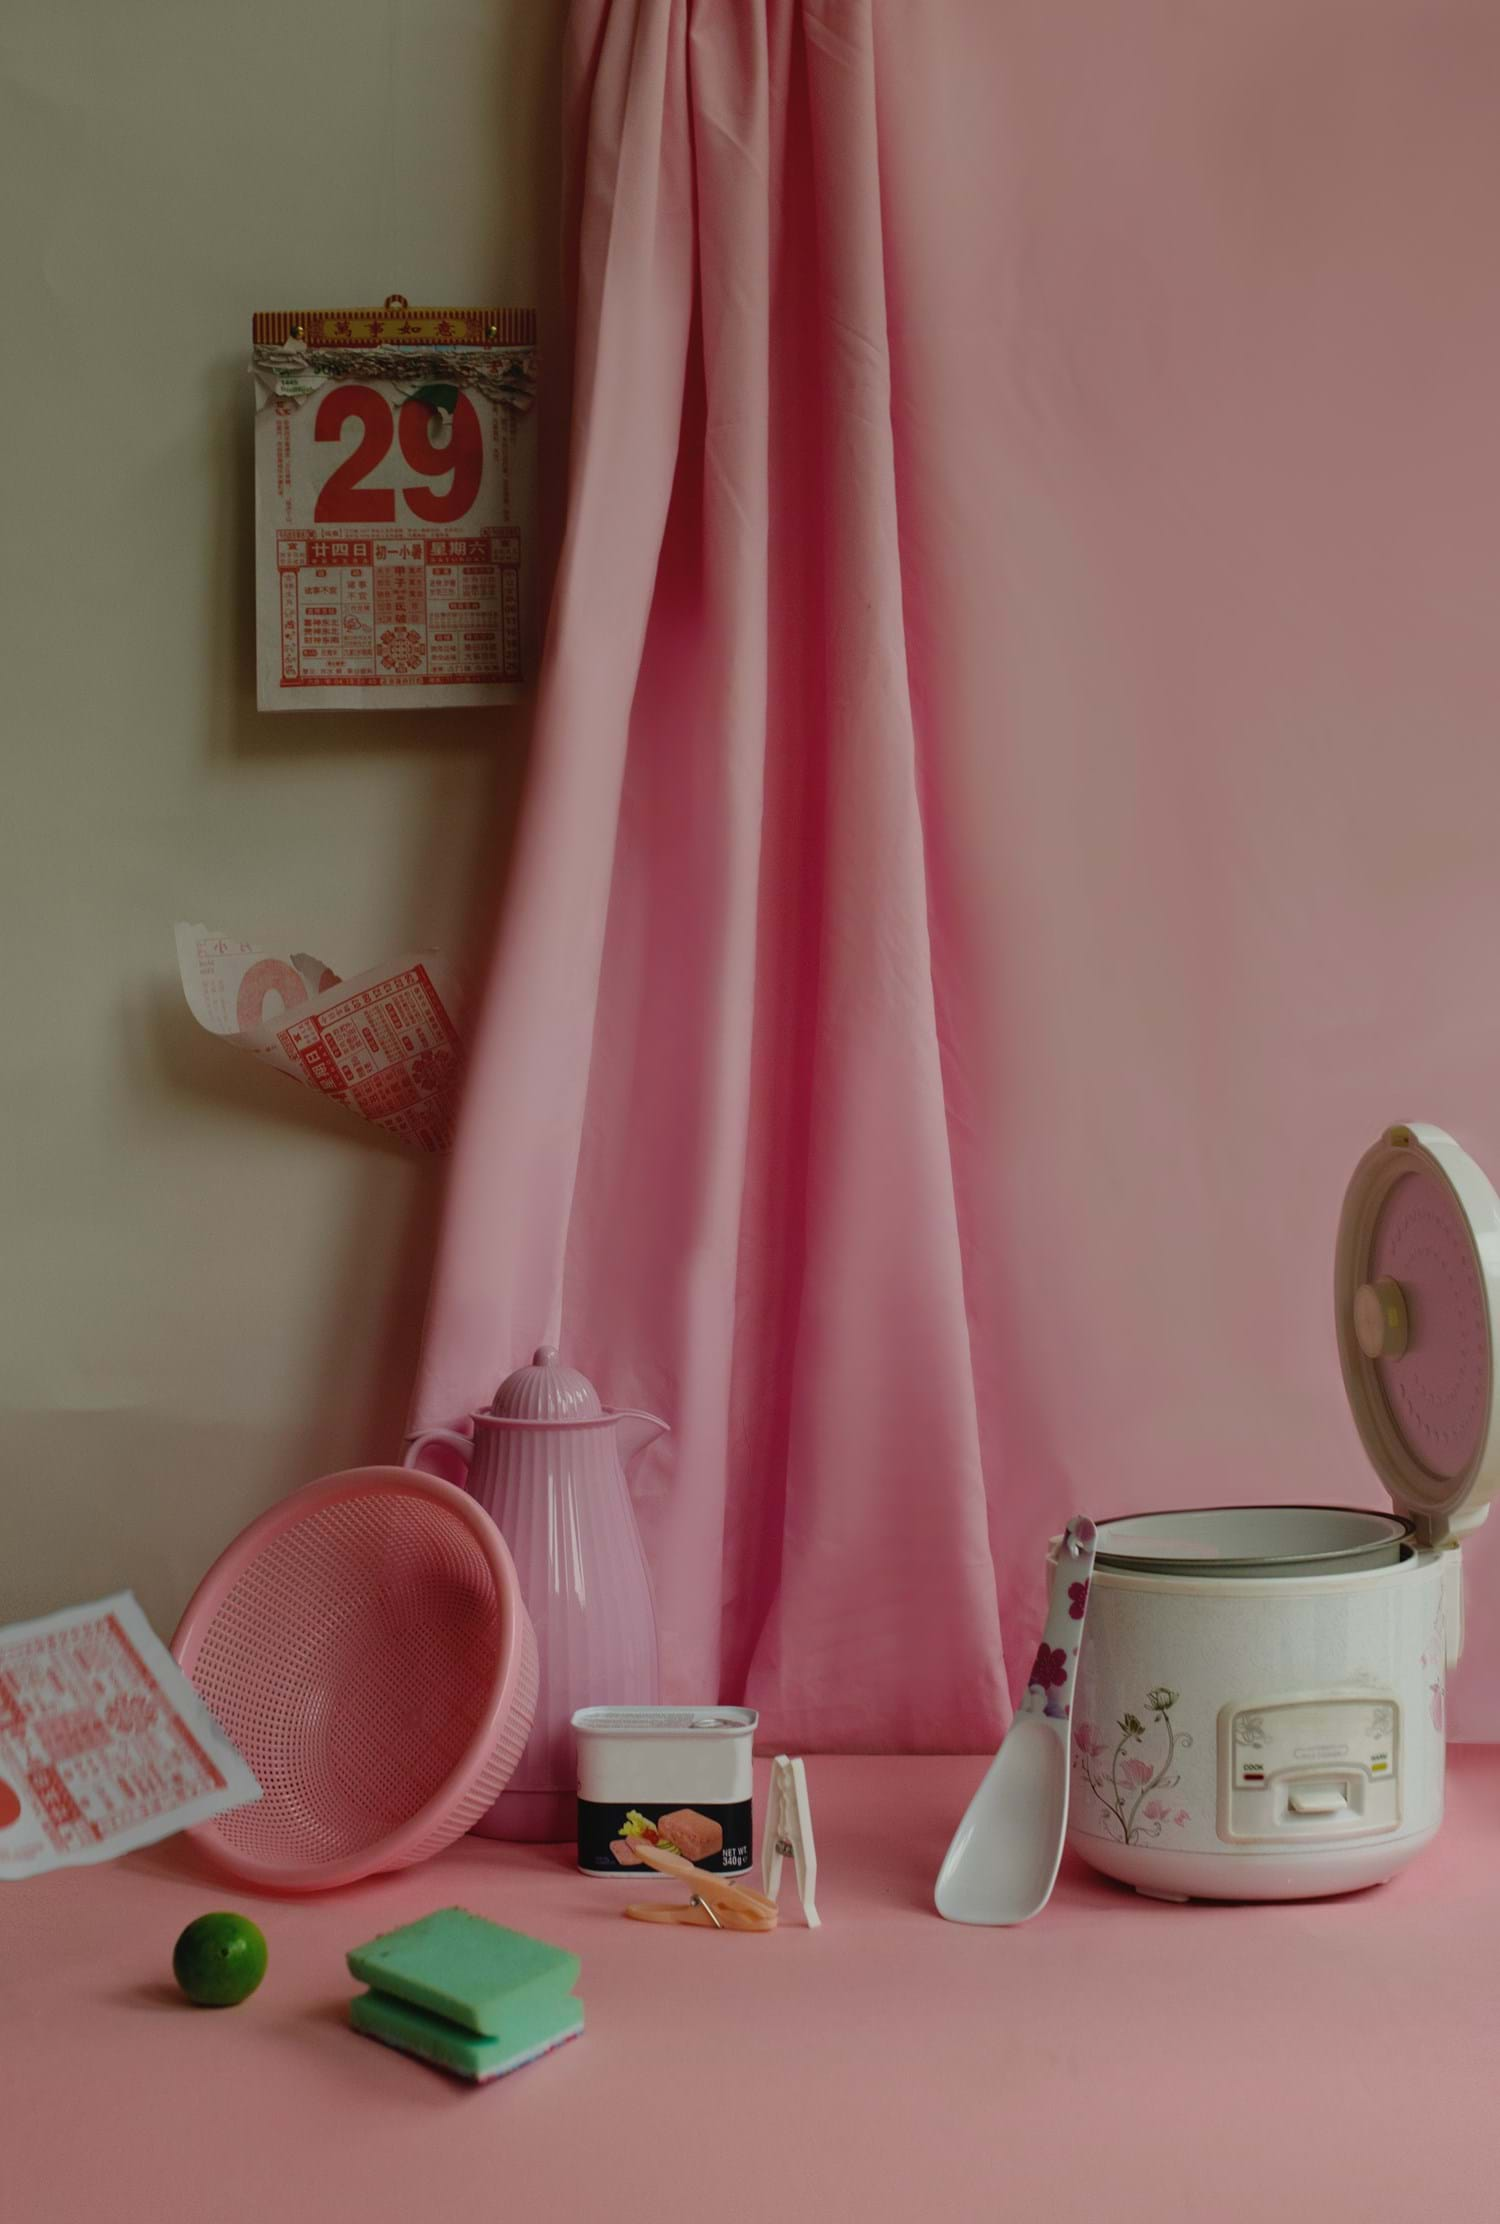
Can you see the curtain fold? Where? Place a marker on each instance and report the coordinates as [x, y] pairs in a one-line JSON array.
[[705, 1144]]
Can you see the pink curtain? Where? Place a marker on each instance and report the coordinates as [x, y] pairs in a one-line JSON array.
[[1013, 799]]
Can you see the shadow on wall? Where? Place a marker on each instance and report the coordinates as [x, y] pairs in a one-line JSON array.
[[167, 1493], [168, 1050], [166, 1496], [203, 1481]]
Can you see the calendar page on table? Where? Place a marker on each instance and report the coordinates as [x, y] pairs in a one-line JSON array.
[[395, 506], [104, 1744]]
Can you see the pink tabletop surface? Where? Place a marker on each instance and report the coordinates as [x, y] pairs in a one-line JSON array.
[[1118, 2058]]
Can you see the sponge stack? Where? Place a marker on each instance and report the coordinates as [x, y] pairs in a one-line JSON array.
[[466, 1994]]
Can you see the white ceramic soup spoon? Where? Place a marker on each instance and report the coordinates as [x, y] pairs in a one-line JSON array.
[[1002, 1863]]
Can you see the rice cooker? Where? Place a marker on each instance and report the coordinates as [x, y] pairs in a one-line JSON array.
[[1259, 1704]]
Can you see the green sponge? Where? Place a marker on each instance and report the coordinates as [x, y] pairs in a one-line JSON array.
[[432, 2038], [465, 1993], [475, 1973]]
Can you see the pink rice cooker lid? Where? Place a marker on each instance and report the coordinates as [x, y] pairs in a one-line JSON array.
[[1417, 1300]]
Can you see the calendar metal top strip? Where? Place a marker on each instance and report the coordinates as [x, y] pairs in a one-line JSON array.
[[395, 324]]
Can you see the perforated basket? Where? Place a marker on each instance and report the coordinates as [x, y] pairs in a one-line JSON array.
[[366, 1647]]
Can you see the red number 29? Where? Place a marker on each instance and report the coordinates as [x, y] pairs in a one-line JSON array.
[[345, 500]]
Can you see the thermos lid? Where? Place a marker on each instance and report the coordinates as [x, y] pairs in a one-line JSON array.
[[546, 1391], [1417, 1303]]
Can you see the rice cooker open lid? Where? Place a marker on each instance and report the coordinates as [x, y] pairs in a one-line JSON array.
[[1417, 1300]]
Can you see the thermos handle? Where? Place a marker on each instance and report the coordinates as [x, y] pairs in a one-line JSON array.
[[412, 1456]]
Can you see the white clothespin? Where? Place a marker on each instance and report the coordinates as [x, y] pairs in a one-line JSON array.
[[789, 1833]]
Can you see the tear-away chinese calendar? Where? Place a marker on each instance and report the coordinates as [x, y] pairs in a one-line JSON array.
[[395, 506]]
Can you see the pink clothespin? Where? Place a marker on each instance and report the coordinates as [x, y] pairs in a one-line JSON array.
[[716, 1902]]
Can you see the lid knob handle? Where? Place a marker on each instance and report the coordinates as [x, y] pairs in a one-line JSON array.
[[1381, 1324], [546, 1391]]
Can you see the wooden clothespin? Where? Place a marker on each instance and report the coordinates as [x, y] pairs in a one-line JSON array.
[[716, 1902], [789, 1835]]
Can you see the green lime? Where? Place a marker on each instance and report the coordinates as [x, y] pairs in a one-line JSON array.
[[219, 1960]]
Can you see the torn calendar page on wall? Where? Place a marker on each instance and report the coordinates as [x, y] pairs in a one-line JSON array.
[[395, 506], [386, 1044], [104, 1744]]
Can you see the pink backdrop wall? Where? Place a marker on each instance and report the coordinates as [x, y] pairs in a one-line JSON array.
[[1141, 747], [1207, 637]]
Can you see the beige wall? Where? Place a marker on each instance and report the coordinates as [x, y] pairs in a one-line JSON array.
[[212, 1283]]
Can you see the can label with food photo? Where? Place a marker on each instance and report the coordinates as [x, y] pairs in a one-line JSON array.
[[712, 1836]]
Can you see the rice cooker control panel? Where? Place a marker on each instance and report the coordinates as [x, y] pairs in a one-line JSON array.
[[1307, 1770]]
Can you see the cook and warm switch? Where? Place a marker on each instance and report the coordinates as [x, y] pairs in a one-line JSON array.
[[1317, 1799]]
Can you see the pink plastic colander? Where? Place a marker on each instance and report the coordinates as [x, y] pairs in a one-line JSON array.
[[365, 1646]]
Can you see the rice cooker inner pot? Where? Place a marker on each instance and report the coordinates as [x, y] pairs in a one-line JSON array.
[[1254, 1542]]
